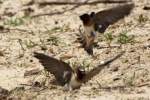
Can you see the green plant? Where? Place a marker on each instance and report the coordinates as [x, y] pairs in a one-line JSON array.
[[129, 80], [125, 61], [30, 44], [14, 21], [109, 38], [86, 64], [73, 64], [123, 38], [142, 18], [56, 29], [43, 45], [64, 28], [53, 40]]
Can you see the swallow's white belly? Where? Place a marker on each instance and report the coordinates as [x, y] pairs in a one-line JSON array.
[[89, 35], [88, 30], [74, 83]]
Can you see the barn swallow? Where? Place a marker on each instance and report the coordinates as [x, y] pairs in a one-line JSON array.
[[65, 75], [99, 22]]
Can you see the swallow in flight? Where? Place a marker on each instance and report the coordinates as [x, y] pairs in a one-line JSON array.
[[99, 22]]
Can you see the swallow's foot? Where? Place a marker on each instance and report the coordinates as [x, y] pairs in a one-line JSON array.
[[67, 87], [95, 44], [89, 50]]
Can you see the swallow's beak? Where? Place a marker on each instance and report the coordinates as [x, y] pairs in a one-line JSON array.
[[92, 14]]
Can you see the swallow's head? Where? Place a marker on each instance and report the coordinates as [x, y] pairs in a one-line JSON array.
[[92, 14], [87, 19], [77, 78], [80, 73]]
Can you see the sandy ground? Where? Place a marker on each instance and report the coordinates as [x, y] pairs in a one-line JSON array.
[[54, 33]]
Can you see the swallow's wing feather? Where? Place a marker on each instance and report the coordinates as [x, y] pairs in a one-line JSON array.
[[61, 70], [97, 69], [107, 17]]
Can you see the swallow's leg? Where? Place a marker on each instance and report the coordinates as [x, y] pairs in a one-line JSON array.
[[82, 41], [89, 45], [66, 87]]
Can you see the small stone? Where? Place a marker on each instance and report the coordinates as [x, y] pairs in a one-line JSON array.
[[115, 79], [114, 69]]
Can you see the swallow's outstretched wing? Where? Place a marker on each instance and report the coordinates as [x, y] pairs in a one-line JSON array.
[[97, 69], [100, 21], [61, 70], [107, 17]]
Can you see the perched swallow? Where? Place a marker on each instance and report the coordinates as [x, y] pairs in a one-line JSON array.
[[99, 22], [65, 75]]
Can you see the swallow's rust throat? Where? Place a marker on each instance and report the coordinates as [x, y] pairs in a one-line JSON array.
[[65, 75], [99, 22]]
